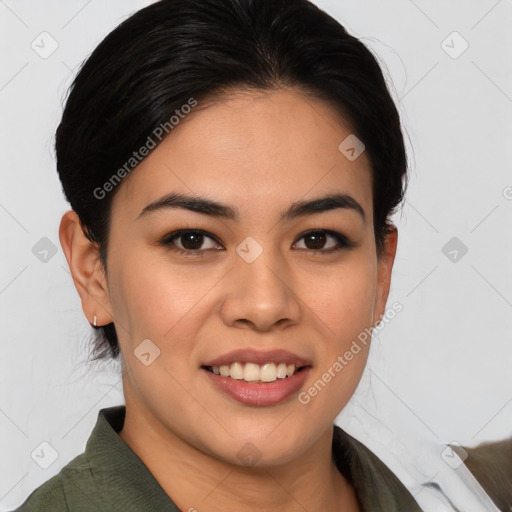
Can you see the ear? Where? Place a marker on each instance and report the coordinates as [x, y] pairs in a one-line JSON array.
[[384, 269], [86, 269]]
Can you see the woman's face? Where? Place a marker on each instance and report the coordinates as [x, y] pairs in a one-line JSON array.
[[252, 283]]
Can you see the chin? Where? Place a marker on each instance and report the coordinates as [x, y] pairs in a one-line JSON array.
[[260, 449]]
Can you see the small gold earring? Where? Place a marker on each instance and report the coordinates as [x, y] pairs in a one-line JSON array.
[[95, 321]]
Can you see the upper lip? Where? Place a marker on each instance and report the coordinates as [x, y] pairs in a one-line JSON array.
[[250, 355]]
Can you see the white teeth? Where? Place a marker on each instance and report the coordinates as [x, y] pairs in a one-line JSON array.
[[236, 371], [281, 371], [252, 372], [268, 372]]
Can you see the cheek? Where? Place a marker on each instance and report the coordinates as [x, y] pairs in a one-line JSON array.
[[343, 304], [153, 300], [344, 300], [152, 297]]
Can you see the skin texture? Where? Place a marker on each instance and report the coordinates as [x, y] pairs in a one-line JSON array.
[[258, 152]]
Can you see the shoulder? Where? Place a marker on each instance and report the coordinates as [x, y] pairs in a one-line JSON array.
[[491, 464], [48, 496], [377, 487], [107, 477], [72, 487]]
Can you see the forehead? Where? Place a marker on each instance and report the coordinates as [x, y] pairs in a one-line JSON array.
[[252, 149]]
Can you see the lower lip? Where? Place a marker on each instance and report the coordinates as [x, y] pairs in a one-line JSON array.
[[256, 393]]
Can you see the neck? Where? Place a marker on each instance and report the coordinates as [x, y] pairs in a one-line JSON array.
[[195, 480]]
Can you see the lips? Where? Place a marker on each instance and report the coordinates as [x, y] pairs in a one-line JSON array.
[[255, 377], [258, 357]]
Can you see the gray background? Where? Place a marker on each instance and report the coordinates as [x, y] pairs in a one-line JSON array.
[[440, 370]]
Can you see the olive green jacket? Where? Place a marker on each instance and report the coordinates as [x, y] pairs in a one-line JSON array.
[[110, 477]]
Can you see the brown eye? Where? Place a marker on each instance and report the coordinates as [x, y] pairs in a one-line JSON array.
[[191, 242], [316, 241]]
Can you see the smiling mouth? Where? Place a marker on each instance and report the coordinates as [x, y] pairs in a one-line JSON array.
[[252, 372]]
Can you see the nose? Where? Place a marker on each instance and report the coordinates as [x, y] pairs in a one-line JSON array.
[[261, 295]]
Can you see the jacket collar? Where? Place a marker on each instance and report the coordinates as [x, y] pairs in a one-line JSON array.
[[376, 486], [115, 464]]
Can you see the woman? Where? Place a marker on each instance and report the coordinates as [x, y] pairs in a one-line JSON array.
[[232, 166]]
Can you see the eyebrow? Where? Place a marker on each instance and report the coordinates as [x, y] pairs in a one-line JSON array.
[[216, 209]]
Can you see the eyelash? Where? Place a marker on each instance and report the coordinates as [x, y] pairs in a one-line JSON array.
[[168, 241]]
